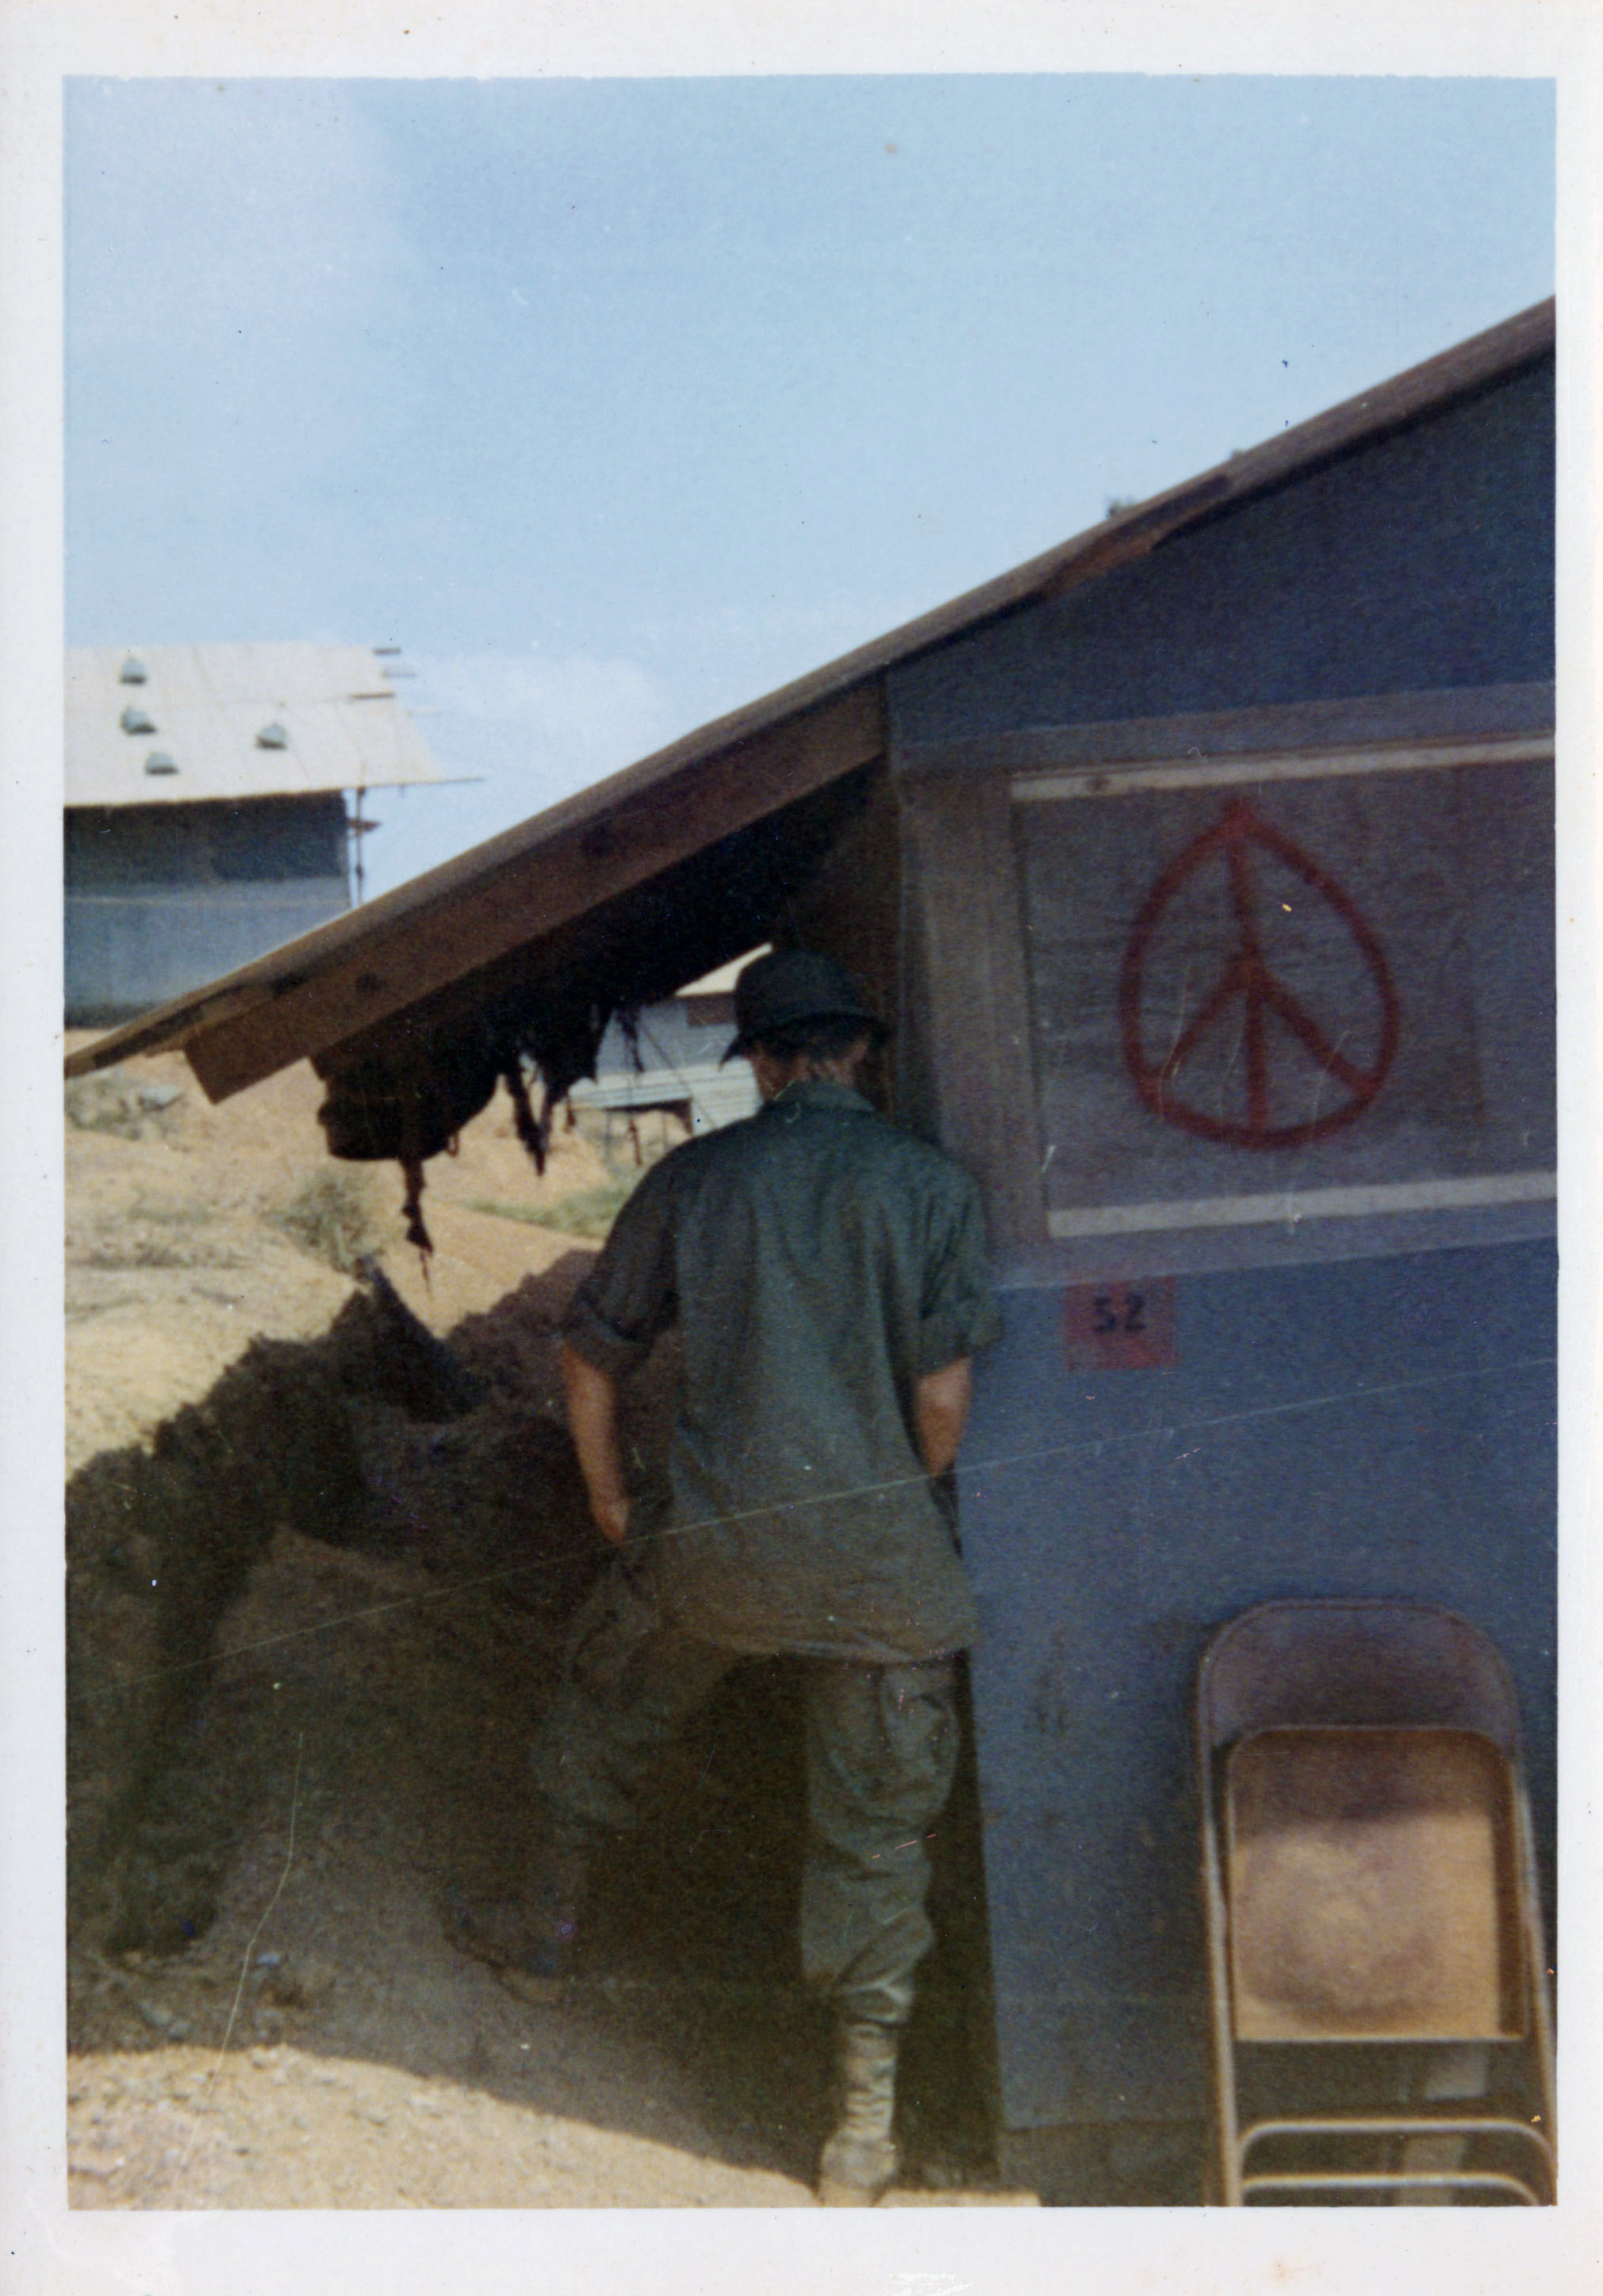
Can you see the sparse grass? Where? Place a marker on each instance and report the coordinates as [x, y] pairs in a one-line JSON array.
[[333, 1214], [144, 1251], [171, 1211], [588, 1211], [157, 1232]]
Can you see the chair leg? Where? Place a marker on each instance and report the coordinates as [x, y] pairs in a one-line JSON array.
[[1225, 2150], [1427, 2153]]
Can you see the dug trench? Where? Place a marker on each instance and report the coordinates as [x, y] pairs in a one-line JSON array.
[[313, 1619]]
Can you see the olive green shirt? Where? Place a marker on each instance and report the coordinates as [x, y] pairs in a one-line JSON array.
[[818, 1264]]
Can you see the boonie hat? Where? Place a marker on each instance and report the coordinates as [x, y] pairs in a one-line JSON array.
[[790, 987]]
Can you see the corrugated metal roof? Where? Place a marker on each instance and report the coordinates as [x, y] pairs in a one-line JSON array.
[[520, 886], [332, 719]]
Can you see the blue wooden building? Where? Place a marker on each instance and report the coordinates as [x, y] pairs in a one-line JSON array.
[[1206, 866]]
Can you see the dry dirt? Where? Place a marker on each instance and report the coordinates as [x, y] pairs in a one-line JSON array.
[[275, 1780]]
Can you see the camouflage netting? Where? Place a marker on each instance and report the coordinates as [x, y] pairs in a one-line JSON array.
[[402, 1090]]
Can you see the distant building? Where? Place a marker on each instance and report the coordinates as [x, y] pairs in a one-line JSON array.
[[206, 819], [676, 1061]]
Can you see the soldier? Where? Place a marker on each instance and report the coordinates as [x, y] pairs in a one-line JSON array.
[[826, 1276]]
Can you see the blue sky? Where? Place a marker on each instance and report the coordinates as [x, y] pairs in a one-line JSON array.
[[619, 402]]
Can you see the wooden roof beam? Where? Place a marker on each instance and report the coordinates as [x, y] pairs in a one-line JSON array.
[[538, 891]]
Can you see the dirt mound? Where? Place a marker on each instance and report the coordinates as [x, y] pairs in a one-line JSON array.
[[318, 1585], [178, 1254], [320, 2044]]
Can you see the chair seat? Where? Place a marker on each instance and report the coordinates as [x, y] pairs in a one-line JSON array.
[[1370, 1873]]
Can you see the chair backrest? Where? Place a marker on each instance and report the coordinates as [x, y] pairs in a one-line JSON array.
[[1370, 1662], [1373, 1886]]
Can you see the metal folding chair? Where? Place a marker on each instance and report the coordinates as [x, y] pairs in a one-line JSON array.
[[1381, 2021]]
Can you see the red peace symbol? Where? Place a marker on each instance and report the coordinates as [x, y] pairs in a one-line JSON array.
[[1248, 975]]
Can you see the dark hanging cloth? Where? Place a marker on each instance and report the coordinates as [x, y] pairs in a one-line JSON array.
[[408, 1103]]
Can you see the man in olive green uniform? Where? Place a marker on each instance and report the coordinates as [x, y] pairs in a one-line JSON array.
[[826, 1275]]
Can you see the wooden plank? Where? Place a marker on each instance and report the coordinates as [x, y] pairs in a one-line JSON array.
[[1287, 1206], [851, 909], [914, 1049], [1021, 1194], [1284, 766], [721, 901], [1459, 711], [151, 1034], [972, 971], [537, 891]]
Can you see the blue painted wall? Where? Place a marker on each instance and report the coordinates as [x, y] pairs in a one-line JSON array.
[[1423, 562], [127, 951], [161, 898], [1378, 1427]]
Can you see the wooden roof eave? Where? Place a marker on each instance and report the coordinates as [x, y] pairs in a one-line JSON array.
[[370, 963]]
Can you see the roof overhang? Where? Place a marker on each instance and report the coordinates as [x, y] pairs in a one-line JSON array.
[[569, 908]]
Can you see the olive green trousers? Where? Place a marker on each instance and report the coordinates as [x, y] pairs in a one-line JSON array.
[[881, 1752]]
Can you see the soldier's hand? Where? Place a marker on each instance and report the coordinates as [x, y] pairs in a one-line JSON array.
[[612, 1519]]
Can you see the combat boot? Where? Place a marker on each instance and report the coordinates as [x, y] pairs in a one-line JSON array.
[[861, 2159]]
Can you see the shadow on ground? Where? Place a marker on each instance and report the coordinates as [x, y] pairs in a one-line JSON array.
[[310, 1631]]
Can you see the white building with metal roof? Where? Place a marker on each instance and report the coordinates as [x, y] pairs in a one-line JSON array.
[[670, 1055], [206, 817]]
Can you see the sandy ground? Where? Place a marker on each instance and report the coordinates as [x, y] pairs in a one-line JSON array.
[[174, 1261], [313, 2041]]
